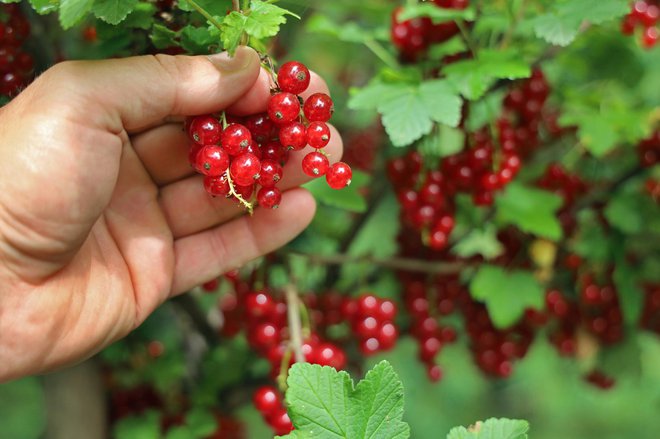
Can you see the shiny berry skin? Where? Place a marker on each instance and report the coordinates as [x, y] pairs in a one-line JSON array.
[[265, 336], [267, 400], [205, 130], [318, 135], [339, 175], [269, 197], [293, 77], [258, 304], [271, 173], [328, 354], [438, 240], [212, 161], [195, 148], [386, 311], [245, 169], [260, 126], [280, 422], [274, 151], [387, 336], [235, 139], [293, 136], [283, 108], [318, 108], [217, 186], [369, 346], [650, 37], [315, 164], [434, 372]]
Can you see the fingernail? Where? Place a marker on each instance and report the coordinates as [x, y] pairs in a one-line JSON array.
[[241, 59]]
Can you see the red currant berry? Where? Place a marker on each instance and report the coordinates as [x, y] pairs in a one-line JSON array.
[[245, 169], [367, 327], [339, 175], [271, 173], [269, 197], [245, 191], [318, 108], [283, 108], [259, 304], [386, 311], [280, 422], [368, 305], [205, 130], [650, 37], [260, 126], [369, 346], [212, 161], [330, 355], [265, 336], [217, 186], [293, 136], [267, 400], [387, 336], [195, 148], [293, 77], [318, 135], [235, 139], [434, 372], [315, 164], [438, 240], [429, 348]]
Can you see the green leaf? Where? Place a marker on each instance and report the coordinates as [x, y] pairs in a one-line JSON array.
[[146, 426], [349, 32], [627, 280], [447, 141], [405, 118], [323, 403], [201, 422], [506, 294], [562, 25], [180, 432], [480, 242], [196, 40], [591, 242], [376, 406], [492, 429], [113, 11], [142, 17], [348, 198], [162, 37], [295, 434], [23, 400], [532, 210], [473, 77], [263, 20], [441, 101], [436, 14], [72, 11], [43, 7]]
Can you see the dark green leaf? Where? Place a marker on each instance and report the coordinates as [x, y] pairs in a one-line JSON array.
[[44, 7], [480, 242], [162, 37]]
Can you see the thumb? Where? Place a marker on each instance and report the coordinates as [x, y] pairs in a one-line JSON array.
[[140, 92]]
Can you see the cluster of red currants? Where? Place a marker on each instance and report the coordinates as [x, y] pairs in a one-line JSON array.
[[414, 36], [372, 322], [427, 196], [16, 66], [643, 14], [268, 401], [239, 154]]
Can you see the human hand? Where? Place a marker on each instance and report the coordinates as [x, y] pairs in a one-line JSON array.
[[101, 217]]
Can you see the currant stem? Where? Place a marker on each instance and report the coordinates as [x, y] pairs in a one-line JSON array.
[[236, 5], [284, 369], [223, 119], [206, 14], [239, 197], [382, 54], [295, 324]]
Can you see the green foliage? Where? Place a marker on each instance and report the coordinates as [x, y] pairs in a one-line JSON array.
[[561, 25], [473, 77], [531, 210], [348, 198], [479, 241], [492, 429], [263, 20], [72, 11], [113, 11], [325, 403], [410, 109], [506, 294]]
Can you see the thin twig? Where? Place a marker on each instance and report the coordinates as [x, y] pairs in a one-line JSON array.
[[295, 324], [236, 5]]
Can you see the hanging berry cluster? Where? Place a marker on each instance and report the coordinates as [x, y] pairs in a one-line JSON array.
[[372, 322], [485, 166], [16, 65], [413, 37], [269, 402], [644, 14], [238, 155]]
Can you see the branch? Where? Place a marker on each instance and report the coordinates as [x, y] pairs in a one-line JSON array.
[[295, 325], [396, 263]]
